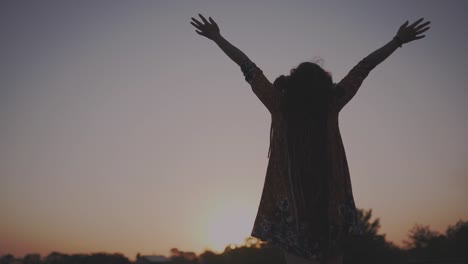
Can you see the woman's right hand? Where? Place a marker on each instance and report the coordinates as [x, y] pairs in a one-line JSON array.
[[208, 30], [412, 32]]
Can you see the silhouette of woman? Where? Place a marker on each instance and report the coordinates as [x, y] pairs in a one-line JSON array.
[[307, 207]]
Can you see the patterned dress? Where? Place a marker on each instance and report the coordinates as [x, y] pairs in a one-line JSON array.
[[307, 206]]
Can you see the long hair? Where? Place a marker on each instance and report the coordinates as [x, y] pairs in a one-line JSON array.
[[307, 95], [307, 91]]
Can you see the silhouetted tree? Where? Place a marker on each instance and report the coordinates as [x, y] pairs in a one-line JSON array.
[[6, 259], [420, 237], [179, 256], [56, 258], [424, 243], [266, 254], [209, 257], [77, 259], [371, 247], [457, 239], [32, 259]]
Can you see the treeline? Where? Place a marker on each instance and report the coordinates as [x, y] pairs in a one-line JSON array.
[[422, 246], [59, 258]]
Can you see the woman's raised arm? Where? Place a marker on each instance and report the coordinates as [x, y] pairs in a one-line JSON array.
[[349, 85], [210, 30], [261, 86]]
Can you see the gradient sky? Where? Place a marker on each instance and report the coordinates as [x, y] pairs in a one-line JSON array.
[[125, 131]]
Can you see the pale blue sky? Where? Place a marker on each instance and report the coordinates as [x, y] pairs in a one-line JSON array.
[[125, 131]]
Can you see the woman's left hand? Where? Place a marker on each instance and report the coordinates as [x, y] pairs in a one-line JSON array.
[[209, 30], [412, 32]]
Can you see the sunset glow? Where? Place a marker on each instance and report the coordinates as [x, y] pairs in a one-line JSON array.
[[229, 224]]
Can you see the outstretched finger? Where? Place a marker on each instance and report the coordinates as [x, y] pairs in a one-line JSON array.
[[200, 24], [415, 23], [404, 24], [422, 30], [197, 26], [199, 32], [422, 25], [420, 37], [204, 19], [212, 21]]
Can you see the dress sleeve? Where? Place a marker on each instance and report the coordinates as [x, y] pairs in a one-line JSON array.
[[349, 85], [261, 86]]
